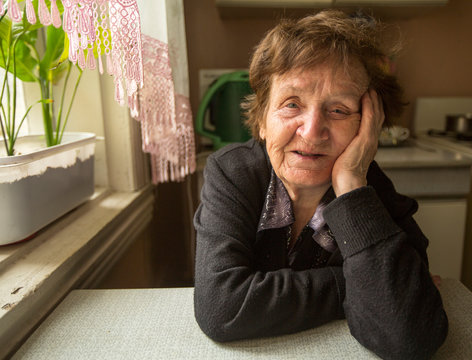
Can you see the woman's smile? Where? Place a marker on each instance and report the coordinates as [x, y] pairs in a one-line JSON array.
[[305, 159]]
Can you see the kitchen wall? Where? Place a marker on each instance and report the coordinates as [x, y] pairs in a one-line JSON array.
[[435, 60]]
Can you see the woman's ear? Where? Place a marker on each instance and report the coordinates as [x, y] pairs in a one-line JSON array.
[[262, 128], [262, 132]]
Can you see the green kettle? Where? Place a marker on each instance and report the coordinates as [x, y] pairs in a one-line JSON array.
[[223, 100]]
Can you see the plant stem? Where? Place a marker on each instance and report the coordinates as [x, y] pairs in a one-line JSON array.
[[48, 131], [8, 116], [71, 102], [3, 132], [4, 116], [59, 115], [24, 117], [4, 85], [5, 78], [51, 108], [13, 118], [45, 94]]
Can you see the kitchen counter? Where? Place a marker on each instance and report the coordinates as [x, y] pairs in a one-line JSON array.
[[160, 324], [413, 153], [417, 153], [422, 170]]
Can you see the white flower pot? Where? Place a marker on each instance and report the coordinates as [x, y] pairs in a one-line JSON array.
[[41, 184]]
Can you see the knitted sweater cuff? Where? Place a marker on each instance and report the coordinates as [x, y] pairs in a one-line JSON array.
[[358, 219]]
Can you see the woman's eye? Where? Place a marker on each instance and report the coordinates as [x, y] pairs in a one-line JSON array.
[[292, 105], [338, 113]]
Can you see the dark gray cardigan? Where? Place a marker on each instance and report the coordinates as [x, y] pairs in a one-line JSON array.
[[379, 280]]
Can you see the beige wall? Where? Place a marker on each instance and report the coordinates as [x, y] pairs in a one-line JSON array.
[[213, 42], [437, 56], [436, 59]]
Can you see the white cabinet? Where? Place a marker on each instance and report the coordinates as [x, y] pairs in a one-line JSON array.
[[439, 180], [443, 222]]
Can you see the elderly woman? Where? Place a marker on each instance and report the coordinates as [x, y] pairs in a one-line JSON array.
[[299, 226]]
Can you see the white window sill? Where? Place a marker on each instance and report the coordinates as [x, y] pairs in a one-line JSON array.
[[73, 252]]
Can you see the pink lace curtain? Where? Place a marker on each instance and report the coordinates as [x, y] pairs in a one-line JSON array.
[[112, 28], [166, 117]]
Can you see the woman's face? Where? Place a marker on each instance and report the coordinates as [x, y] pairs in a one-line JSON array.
[[312, 116]]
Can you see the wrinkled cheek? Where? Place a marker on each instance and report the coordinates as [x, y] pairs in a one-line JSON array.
[[274, 153], [279, 135], [346, 136], [352, 127], [342, 145]]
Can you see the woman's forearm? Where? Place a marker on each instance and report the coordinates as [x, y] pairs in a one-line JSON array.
[[234, 301], [392, 305]]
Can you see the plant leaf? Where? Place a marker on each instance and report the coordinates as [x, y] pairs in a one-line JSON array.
[[65, 52], [58, 72], [26, 64], [5, 29], [54, 50]]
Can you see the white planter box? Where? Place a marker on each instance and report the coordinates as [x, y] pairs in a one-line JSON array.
[[42, 184]]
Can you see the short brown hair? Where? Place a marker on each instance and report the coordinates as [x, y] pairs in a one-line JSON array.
[[304, 43]]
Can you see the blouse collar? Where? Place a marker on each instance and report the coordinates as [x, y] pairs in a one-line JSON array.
[[277, 212]]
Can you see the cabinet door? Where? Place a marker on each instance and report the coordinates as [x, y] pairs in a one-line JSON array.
[[443, 223]]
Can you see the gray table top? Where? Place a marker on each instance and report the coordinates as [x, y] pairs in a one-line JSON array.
[[160, 324]]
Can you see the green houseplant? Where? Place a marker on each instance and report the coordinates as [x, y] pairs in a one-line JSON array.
[[41, 178], [27, 59], [37, 183]]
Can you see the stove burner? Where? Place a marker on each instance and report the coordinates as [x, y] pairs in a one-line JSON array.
[[451, 134], [464, 137]]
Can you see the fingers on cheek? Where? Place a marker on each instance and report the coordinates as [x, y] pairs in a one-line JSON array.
[[376, 102], [377, 107], [382, 114], [381, 105], [367, 105]]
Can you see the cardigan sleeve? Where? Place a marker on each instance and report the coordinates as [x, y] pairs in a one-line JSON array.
[[391, 304], [232, 299]]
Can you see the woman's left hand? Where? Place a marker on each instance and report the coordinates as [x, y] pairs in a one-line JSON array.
[[350, 169]]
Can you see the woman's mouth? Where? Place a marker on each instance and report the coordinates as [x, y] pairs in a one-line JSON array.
[[307, 160], [307, 154]]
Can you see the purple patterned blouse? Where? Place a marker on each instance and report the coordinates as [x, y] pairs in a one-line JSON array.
[[278, 213]]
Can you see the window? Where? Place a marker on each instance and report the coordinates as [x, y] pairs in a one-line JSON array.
[[20, 105], [78, 248]]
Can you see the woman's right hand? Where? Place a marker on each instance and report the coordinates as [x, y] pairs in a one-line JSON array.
[[350, 169]]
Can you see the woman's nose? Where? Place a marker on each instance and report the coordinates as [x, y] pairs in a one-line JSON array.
[[314, 127]]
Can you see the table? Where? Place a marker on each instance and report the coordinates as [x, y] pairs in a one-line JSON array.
[[160, 324]]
